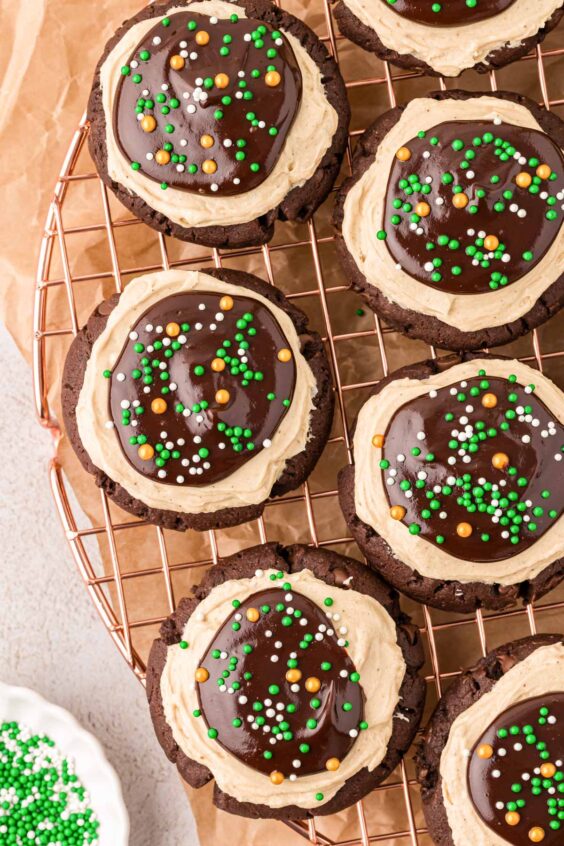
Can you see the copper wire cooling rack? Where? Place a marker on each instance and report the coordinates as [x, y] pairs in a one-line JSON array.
[[361, 351]]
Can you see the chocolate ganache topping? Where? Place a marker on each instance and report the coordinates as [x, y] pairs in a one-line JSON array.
[[277, 688], [516, 772], [473, 206], [200, 387], [448, 12], [475, 467], [205, 104]]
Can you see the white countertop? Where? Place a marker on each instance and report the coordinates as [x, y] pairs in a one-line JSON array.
[[51, 638]]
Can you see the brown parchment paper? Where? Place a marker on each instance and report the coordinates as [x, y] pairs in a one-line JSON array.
[[48, 52]]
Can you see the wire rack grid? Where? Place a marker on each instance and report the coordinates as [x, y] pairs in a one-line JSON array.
[[57, 320]]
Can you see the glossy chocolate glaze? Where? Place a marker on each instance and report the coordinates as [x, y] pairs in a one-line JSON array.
[[194, 420], [448, 12], [273, 637], [445, 248], [503, 772], [217, 108], [431, 490]]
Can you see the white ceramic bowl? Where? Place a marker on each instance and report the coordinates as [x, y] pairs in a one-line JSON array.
[[24, 706]]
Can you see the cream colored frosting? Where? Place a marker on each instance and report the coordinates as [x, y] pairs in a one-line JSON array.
[[300, 157], [248, 485], [364, 213], [371, 501], [450, 50], [542, 672], [373, 649]]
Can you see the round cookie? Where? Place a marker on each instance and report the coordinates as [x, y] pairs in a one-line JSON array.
[[492, 765], [194, 396], [201, 114], [451, 224], [455, 497], [296, 633], [445, 39]]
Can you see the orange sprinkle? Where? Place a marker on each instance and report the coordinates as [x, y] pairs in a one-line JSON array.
[[489, 400], [547, 770], [201, 675], [172, 330], [162, 157], [491, 243], [544, 171], [272, 79], [252, 615], [148, 124], [293, 676], [536, 834], [218, 365], [158, 406], [523, 179], [378, 441], [276, 777], [403, 154], [512, 818], [202, 38], [221, 80], [484, 751], [226, 303], [284, 355], [500, 460], [145, 452], [460, 201], [209, 166], [423, 209], [332, 764], [312, 684], [464, 530], [397, 512], [177, 62], [207, 141], [222, 396]]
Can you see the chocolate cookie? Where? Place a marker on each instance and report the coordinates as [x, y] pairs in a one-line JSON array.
[[451, 224], [444, 39], [456, 497], [492, 765], [195, 395], [291, 678], [201, 119]]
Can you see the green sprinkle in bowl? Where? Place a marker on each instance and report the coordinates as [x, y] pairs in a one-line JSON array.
[[24, 706]]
